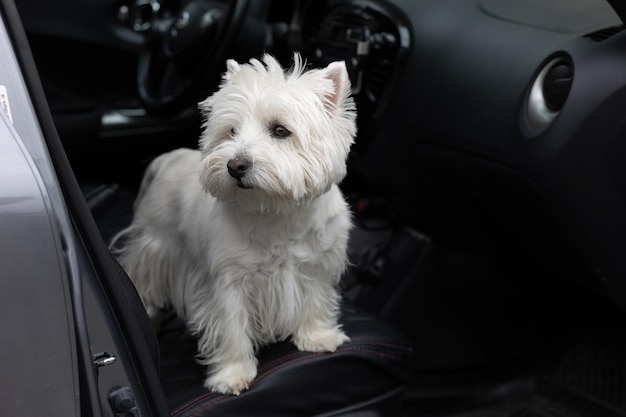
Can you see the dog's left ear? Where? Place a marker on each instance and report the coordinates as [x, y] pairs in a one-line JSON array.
[[338, 74], [232, 68]]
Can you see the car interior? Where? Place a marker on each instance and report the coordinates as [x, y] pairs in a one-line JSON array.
[[487, 185]]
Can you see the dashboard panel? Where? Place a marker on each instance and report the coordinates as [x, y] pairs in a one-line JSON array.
[[457, 151]]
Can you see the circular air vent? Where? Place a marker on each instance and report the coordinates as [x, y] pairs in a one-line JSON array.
[[549, 92]]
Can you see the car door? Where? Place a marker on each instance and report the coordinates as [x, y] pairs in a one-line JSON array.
[[65, 348]]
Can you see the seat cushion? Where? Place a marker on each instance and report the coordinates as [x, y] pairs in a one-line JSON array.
[[367, 373]]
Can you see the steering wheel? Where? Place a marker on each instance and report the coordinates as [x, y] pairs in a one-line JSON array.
[[185, 51]]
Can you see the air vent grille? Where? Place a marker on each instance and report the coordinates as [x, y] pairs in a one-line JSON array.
[[368, 39], [379, 77], [372, 38], [604, 34]]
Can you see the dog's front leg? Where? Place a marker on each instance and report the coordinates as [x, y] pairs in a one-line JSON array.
[[319, 330], [225, 344]]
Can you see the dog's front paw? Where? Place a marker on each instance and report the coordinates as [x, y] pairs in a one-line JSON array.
[[320, 340], [233, 378]]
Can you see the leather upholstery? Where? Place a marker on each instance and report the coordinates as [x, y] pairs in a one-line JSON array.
[[366, 374]]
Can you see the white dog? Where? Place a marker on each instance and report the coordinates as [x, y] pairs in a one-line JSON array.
[[246, 239]]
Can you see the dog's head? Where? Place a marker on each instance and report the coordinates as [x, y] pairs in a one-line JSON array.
[[274, 139]]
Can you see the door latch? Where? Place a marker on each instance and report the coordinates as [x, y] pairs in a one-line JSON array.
[[103, 359]]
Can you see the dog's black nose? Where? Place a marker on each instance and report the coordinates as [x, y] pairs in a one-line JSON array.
[[238, 166]]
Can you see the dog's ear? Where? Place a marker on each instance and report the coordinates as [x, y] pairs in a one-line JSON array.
[[338, 74], [232, 68]]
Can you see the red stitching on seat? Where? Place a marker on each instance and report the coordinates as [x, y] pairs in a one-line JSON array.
[[315, 355], [379, 343], [344, 348], [207, 405], [192, 402]]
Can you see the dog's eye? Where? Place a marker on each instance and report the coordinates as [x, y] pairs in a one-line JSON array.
[[232, 131], [279, 131]]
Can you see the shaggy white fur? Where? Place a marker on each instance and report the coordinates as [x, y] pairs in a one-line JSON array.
[[252, 253]]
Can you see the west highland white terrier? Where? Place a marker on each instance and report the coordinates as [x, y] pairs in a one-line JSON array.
[[246, 238]]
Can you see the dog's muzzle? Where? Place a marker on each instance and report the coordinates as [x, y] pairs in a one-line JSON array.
[[237, 168]]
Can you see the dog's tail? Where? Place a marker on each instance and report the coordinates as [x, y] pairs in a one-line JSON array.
[[116, 245], [148, 177]]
